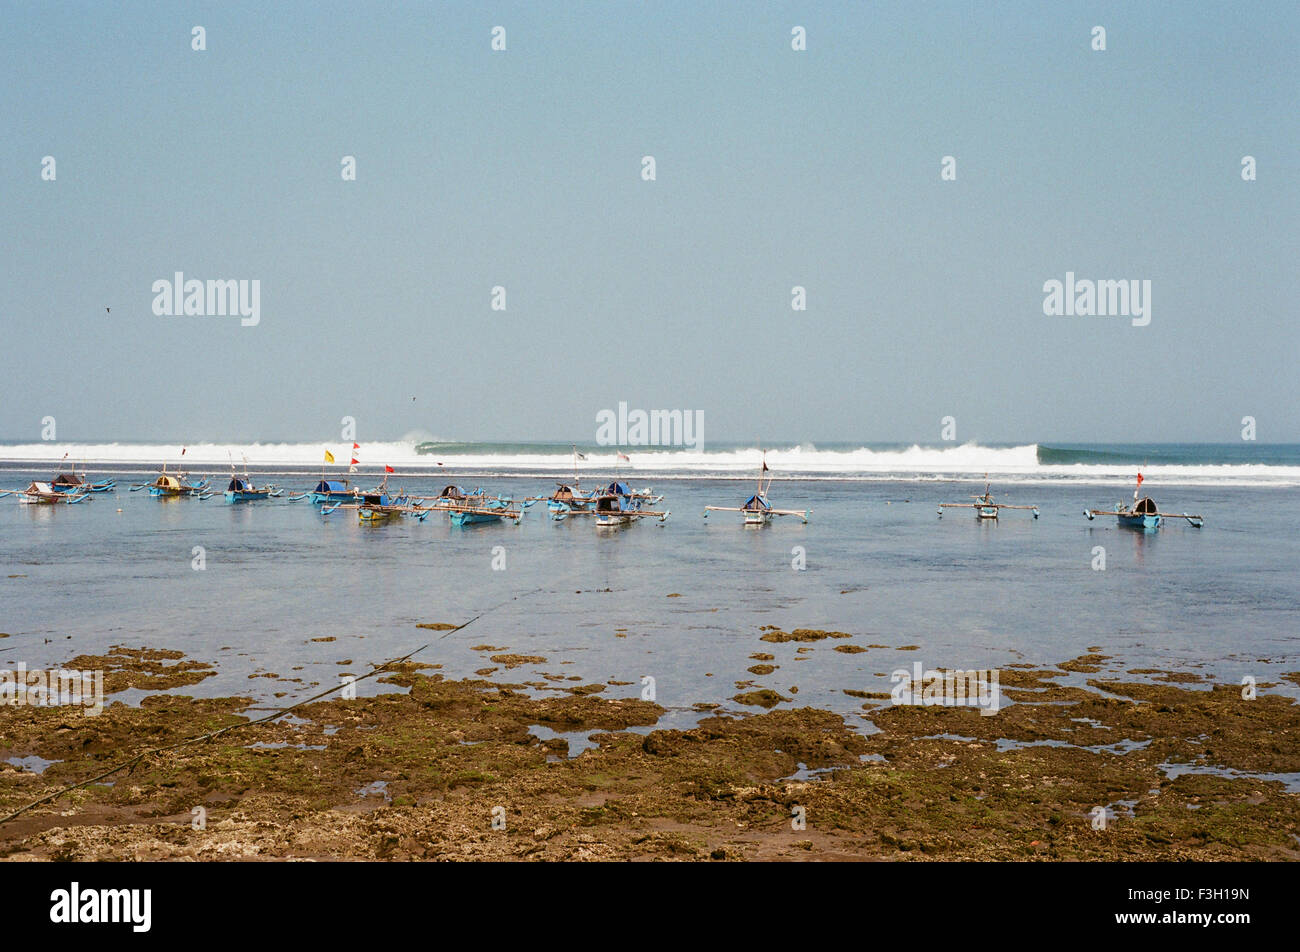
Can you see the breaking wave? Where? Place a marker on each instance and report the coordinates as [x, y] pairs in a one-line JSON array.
[[1030, 462]]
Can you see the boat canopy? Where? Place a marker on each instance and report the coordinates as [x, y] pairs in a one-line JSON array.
[[67, 479], [331, 486], [167, 482], [756, 502], [1146, 505], [239, 485], [39, 488], [452, 492], [619, 489]]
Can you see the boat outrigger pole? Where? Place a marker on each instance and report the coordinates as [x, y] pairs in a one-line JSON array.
[[1196, 522]]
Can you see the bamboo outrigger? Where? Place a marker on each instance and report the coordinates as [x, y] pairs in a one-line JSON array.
[[758, 511], [1143, 514], [984, 506]]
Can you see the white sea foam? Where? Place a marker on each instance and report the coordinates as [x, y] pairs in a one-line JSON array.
[[966, 461]]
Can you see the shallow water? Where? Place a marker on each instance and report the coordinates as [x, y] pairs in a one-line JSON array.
[[1222, 601]]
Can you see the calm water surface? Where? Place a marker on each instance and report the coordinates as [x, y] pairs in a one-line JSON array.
[[1222, 601]]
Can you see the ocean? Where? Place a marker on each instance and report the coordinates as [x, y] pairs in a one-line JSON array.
[[683, 602]]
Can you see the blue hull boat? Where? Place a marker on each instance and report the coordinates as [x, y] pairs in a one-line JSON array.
[[1143, 515], [167, 486], [241, 489], [984, 506], [474, 508], [1139, 521], [72, 483], [620, 506], [329, 491]]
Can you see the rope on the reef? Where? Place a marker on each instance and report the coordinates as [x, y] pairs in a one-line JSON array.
[[261, 720]]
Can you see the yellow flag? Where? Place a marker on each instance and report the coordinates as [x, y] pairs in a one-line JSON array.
[[329, 457]]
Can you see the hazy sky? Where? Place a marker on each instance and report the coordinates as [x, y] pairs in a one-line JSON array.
[[775, 168]]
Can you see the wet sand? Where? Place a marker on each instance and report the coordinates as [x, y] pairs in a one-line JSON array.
[[487, 770]]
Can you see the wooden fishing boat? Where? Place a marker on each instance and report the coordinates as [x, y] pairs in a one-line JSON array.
[[619, 505], [379, 506], [1143, 514], [568, 497], [567, 500], [241, 489], [329, 491], [489, 510], [984, 506], [757, 510], [173, 485], [476, 507], [73, 482], [43, 494]]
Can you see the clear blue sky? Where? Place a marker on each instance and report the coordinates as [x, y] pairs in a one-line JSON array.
[[775, 168]]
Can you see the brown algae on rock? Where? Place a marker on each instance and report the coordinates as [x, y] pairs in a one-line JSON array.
[[932, 783]]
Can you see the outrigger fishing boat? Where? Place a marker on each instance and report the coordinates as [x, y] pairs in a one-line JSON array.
[[74, 483], [1143, 514], [568, 499], [379, 506], [241, 489], [619, 505], [476, 507], [171, 485], [758, 511], [984, 506], [329, 491], [44, 494]]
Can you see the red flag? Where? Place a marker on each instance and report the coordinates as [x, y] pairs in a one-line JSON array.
[[765, 466], [1139, 479], [182, 451], [354, 461], [626, 459], [356, 446], [389, 469]]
